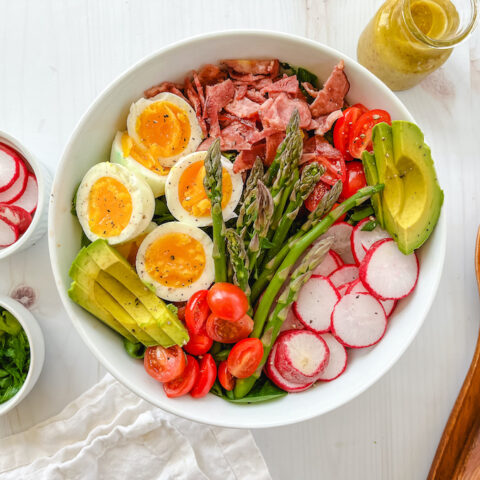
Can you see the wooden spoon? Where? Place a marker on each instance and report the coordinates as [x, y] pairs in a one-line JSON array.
[[458, 453]]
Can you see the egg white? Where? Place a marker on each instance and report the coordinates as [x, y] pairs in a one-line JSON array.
[[195, 130], [156, 182], [173, 201], [143, 201], [180, 294]]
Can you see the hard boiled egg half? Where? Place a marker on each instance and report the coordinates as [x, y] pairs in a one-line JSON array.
[[166, 126], [113, 203], [186, 196], [175, 260], [140, 161]]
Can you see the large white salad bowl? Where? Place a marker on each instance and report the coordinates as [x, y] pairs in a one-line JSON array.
[[90, 143]]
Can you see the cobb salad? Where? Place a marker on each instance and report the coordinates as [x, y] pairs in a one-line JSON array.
[[251, 227]]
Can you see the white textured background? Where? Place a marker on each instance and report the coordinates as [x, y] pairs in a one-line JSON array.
[[56, 56]]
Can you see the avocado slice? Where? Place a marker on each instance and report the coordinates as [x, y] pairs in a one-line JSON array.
[[371, 175], [109, 260], [88, 301], [423, 197], [85, 272]]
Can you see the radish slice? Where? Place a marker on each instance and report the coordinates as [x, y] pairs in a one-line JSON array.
[[16, 190], [301, 356], [330, 263], [291, 322], [358, 320], [315, 304], [359, 287], [342, 232], [29, 199], [387, 273], [16, 215], [343, 289], [337, 362], [355, 241], [274, 375], [9, 167], [343, 275], [8, 233]]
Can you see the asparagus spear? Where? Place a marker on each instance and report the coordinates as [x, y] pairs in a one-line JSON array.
[[299, 247], [212, 183], [238, 260], [289, 295], [245, 215], [264, 212], [292, 129], [326, 203], [302, 189]]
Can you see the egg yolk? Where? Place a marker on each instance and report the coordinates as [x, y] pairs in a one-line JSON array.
[[164, 129], [142, 156], [192, 194], [109, 207], [175, 260]]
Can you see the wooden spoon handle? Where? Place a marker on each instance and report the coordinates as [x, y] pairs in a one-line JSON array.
[[458, 453]]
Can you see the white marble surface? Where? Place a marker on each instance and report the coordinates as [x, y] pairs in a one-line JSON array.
[[57, 55]]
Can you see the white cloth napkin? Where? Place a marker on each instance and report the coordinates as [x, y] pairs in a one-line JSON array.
[[110, 433]]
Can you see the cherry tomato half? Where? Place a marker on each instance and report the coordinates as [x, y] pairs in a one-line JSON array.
[[206, 377], [198, 344], [197, 311], [343, 127], [226, 379], [355, 180], [226, 331], [245, 357], [361, 133], [185, 382], [227, 301], [317, 194], [164, 364]]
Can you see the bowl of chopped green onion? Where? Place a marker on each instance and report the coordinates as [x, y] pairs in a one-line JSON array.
[[22, 353]]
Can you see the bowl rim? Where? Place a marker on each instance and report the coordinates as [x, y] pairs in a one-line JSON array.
[[267, 34], [35, 165], [37, 353]]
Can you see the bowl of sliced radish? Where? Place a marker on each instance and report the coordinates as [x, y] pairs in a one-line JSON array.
[[24, 189]]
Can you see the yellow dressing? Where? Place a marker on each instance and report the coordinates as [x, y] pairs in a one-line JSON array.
[[175, 260], [142, 155], [191, 191], [164, 129], [109, 207]]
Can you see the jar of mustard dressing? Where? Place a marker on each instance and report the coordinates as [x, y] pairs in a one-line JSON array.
[[407, 40]]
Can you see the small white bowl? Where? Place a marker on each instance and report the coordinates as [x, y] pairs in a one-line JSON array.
[[38, 227], [37, 350]]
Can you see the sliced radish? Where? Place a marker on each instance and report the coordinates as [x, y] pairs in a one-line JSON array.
[[315, 304], [343, 289], [329, 264], [342, 232], [8, 233], [16, 215], [301, 355], [358, 287], [17, 188], [274, 375], [29, 199], [337, 362], [9, 167], [362, 240], [387, 273], [358, 320], [291, 322], [343, 275]]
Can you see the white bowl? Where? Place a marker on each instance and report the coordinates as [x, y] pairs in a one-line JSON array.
[[37, 350], [90, 143], [38, 227]]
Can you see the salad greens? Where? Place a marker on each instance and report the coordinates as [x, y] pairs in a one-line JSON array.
[[134, 350], [14, 355], [303, 75]]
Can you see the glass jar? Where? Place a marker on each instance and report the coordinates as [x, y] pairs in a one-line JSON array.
[[407, 40]]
